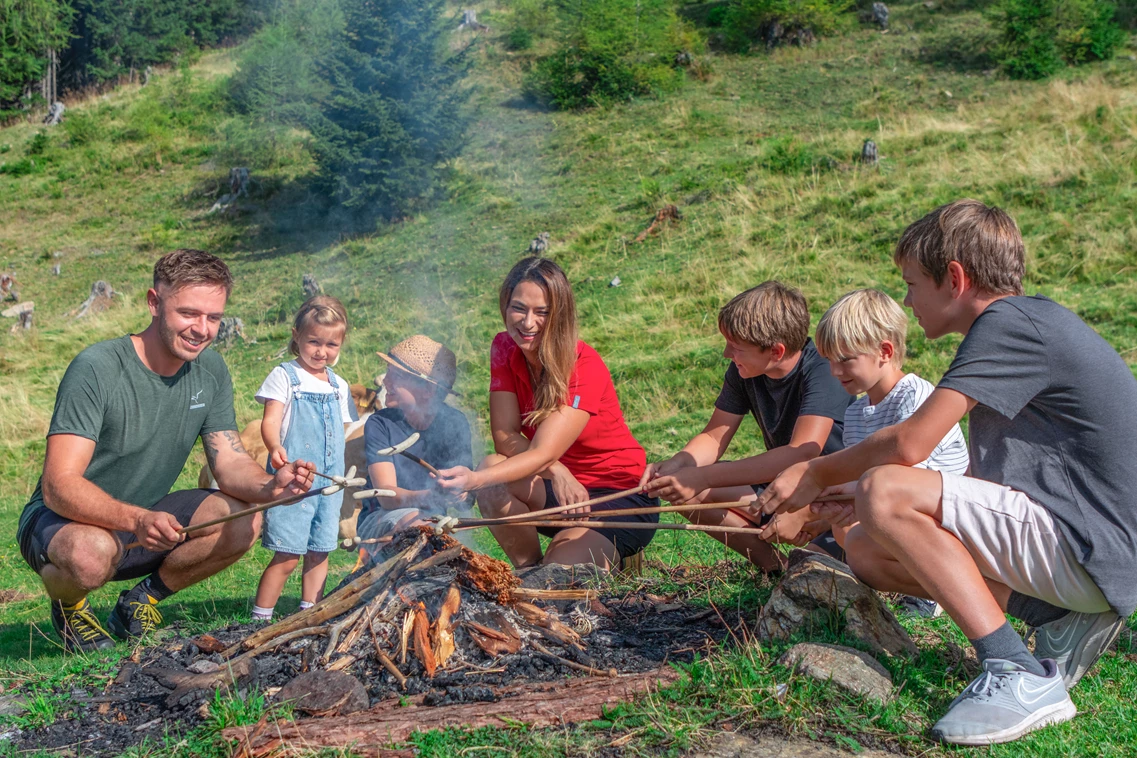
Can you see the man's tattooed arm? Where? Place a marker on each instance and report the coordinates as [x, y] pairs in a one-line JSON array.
[[218, 443], [236, 472]]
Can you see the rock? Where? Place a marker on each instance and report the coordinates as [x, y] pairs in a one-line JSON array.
[[735, 745], [325, 693], [98, 301], [470, 21], [238, 182], [615, 282], [853, 671], [310, 286], [820, 590], [869, 154], [56, 269], [13, 705], [202, 666]]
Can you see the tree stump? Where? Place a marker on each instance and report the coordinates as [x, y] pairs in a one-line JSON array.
[[56, 270], [54, 114], [23, 322], [880, 15], [310, 286], [98, 301], [9, 288], [539, 244], [231, 327], [238, 182], [869, 154], [470, 21]]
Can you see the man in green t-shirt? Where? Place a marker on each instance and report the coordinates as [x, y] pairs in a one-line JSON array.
[[127, 414]]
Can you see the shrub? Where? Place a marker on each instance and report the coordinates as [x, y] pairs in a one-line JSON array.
[[1040, 36], [608, 51], [82, 128], [774, 22]]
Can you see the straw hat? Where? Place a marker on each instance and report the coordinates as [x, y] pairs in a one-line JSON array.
[[425, 359]]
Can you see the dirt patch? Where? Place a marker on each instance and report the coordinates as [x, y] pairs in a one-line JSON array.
[[14, 596]]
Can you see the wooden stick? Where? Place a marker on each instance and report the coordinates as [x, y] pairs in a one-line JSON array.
[[567, 524], [559, 509], [571, 664], [289, 500], [388, 664], [411, 456], [540, 516]]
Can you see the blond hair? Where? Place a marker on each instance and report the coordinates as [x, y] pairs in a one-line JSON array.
[[319, 310], [557, 351], [858, 323], [984, 240], [766, 315]]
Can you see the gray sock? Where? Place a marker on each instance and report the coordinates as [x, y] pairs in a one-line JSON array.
[[1032, 610], [1005, 643]]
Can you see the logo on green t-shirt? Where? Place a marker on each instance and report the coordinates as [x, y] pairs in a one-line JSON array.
[[194, 404]]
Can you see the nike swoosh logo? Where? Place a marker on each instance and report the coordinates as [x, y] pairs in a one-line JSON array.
[[1025, 693], [1062, 640]]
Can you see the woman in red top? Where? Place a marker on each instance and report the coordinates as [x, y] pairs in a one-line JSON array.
[[557, 428]]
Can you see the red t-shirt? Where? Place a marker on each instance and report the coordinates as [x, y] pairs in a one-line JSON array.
[[605, 454]]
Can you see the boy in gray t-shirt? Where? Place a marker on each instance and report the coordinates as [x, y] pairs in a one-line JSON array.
[[1045, 528]]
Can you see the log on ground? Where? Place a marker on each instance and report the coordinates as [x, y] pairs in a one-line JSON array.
[[543, 704]]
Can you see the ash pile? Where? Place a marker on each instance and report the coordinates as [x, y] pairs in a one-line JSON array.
[[429, 634]]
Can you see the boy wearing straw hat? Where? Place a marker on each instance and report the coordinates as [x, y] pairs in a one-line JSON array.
[[420, 375]]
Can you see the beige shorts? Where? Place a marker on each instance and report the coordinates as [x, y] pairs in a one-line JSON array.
[[1015, 541]]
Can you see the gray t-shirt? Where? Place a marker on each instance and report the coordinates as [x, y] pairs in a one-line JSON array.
[[1055, 419], [808, 390], [143, 425]]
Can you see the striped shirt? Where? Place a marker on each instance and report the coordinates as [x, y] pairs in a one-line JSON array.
[[862, 419]]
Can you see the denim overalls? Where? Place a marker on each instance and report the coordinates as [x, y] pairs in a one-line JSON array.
[[315, 434]]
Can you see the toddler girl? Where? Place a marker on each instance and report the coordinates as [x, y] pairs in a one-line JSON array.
[[306, 407]]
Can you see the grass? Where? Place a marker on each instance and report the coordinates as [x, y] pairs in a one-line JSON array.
[[760, 159]]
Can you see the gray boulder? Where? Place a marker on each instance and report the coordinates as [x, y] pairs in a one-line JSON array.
[[850, 670], [818, 590]]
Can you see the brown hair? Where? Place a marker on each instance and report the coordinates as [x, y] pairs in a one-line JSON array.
[[766, 315], [322, 310], [858, 323], [983, 239], [557, 352], [186, 267]]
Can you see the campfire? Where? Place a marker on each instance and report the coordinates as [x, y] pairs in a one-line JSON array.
[[427, 634]]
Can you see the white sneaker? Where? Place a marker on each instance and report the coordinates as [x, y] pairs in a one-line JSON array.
[[919, 606], [1076, 641], [1004, 703]]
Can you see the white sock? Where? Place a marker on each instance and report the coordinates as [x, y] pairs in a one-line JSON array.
[[305, 605], [261, 614]]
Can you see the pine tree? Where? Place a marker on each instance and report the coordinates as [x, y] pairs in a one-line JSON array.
[[28, 28], [391, 113]]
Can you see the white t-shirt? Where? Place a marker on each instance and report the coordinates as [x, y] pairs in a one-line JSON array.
[[862, 419], [277, 386]]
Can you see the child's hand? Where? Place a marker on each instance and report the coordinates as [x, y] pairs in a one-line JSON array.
[[663, 468], [838, 514], [278, 458], [457, 480], [682, 487], [786, 527]]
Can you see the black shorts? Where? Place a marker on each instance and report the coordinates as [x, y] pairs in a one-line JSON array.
[[628, 541], [826, 541], [45, 523]]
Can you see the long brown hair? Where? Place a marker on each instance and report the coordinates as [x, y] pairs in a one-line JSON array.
[[557, 352]]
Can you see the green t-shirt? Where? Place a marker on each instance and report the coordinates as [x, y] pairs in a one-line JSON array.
[[144, 425]]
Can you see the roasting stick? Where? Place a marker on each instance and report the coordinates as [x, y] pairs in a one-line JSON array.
[[568, 524], [540, 517], [401, 449], [505, 520], [289, 500]]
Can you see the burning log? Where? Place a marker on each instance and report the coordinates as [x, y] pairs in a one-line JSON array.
[[441, 633], [421, 637]]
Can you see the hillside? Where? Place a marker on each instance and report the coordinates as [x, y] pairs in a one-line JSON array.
[[759, 160]]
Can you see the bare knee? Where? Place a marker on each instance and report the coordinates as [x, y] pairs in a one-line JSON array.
[[491, 460], [879, 497], [87, 555]]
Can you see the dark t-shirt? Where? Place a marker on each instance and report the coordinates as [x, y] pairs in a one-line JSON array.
[[444, 444], [808, 390], [143, 425], [1055, 419]]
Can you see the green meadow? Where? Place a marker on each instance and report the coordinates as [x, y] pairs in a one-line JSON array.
[[760, 159]]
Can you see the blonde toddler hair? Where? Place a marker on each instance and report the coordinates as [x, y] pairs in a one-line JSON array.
[[858, 323], [322, 310]]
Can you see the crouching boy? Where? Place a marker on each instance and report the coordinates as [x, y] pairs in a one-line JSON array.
[[776, 374], [863, 336], [1046, 530]]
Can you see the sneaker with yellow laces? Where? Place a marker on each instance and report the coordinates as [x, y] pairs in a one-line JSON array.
[[79, 628], [134, 615]]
